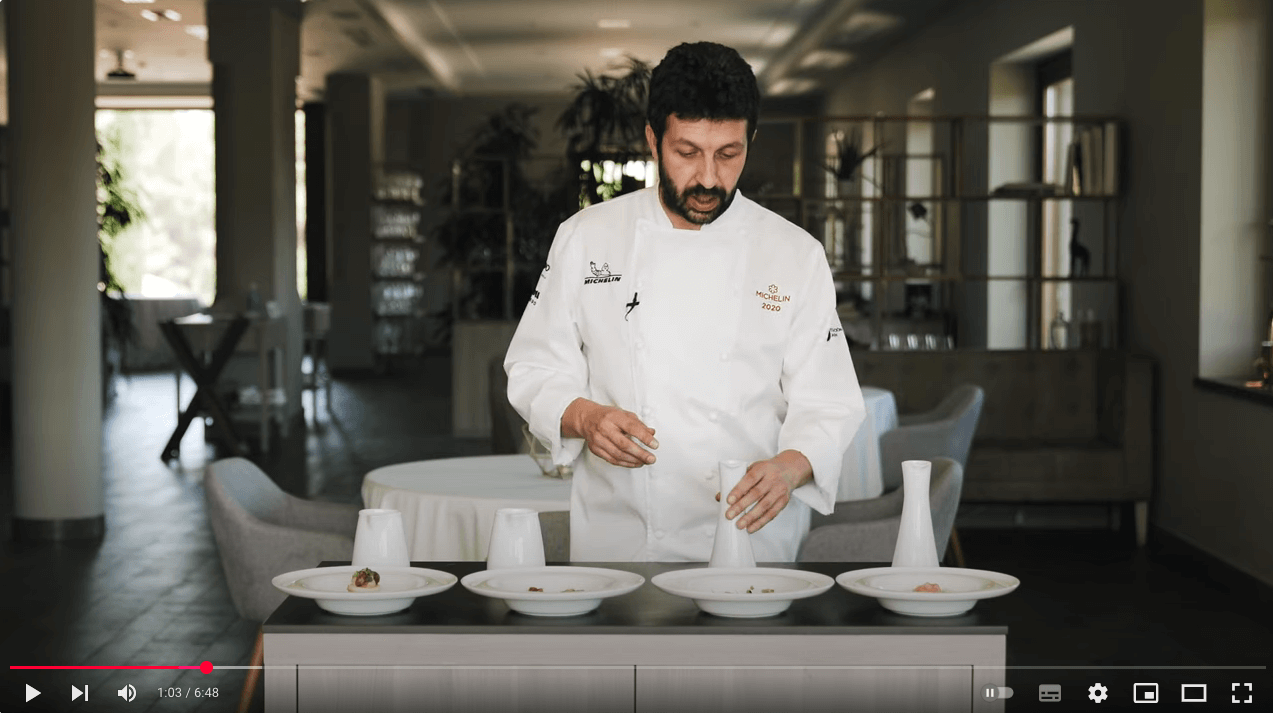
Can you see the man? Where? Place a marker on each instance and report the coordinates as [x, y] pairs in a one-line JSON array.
[[688, 310]]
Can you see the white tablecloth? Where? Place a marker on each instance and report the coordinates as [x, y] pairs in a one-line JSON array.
[[449, 504], [861, 476]]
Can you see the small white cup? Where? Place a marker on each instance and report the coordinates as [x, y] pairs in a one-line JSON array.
[[516, 541], [379, 540]]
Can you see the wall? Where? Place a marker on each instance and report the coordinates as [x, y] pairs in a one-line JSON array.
[[1141, 60], [1235, 126]]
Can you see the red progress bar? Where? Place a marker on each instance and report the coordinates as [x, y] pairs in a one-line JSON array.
[[205, 667]]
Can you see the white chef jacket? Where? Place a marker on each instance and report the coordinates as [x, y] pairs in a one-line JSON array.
[[724, 340]]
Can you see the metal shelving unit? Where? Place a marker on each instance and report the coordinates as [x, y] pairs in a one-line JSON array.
[[916, 234]]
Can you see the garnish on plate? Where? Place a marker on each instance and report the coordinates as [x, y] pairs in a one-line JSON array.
[[365, 580]]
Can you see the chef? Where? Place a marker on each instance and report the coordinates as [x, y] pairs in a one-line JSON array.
[[683, 325]]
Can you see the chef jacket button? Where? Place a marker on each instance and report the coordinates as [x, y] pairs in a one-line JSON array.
[[646, 411], [724, 356], [640, 344], [713, 416], [658, 534]]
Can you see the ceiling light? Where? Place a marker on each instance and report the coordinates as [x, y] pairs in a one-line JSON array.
[[826, 59], [786, 87], [614, 24], [611, 52], [172, 15], [150, 15], [198, 31], [139, 2]]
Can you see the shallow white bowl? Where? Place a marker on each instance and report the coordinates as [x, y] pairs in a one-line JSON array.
[[894, 587], [739, 592], [591, 585], [399, 586]]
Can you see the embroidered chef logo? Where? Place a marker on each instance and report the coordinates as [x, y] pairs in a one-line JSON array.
[[771, 299], [534, 297], [832, 332], [600, 274]]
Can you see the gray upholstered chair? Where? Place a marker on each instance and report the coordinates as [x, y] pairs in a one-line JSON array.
[[866, 530], [945, 431], [262, 532], [555, 527]]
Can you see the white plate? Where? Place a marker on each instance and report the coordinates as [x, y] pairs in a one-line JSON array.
[[399, 586], [740, 592], [592, 584], [894, 587]]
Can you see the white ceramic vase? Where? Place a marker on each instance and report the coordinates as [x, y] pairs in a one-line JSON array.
[[916, 546], [732, 546], [379, 540], [516, 540]]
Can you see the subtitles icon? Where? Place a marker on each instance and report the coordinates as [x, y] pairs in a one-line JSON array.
[[1193, 693], [128, 693], [1049, 693], [1247, 697], [1145, 693]]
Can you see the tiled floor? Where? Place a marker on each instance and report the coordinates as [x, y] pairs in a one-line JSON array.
[[152, 592]]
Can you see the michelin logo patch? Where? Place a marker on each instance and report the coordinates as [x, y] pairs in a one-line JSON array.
[[600, 274]]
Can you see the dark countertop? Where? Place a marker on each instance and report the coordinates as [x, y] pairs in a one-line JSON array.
[[648, 610], [1234, 386]]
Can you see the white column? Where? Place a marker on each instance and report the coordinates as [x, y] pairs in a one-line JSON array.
[[57, 373], [254, 47]]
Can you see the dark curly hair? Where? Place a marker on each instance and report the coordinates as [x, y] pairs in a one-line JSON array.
[[702, 80]]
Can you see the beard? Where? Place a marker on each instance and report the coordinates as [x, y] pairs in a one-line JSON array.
[[679, 201]]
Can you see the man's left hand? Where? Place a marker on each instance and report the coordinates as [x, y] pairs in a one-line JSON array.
[[768, 484]]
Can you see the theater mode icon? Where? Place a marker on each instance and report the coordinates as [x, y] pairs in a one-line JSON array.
[[1193, 693]]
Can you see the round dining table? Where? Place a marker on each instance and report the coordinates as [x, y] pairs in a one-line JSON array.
[[449, 504], [861, 477]]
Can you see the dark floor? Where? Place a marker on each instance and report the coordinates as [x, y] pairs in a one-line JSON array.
[[152, 592]]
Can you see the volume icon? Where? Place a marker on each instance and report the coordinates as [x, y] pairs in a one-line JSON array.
[[128, 693]]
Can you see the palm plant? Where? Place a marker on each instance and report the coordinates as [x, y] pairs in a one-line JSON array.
[[605, 122], [117, 208]]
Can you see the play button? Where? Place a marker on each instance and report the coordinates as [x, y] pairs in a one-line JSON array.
[[31, 693]]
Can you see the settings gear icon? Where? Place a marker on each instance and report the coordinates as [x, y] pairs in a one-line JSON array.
[[1097, 693]]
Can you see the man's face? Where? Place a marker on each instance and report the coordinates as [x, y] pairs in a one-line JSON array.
[[699, 165]]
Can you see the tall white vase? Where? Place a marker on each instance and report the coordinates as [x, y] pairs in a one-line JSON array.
[[732, 546], [916, 546]]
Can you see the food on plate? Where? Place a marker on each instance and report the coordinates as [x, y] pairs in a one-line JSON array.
[[752, 590], [365, 580], [929, 587], [534, 589]]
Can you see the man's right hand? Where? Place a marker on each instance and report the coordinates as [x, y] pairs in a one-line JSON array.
[[609, 432]]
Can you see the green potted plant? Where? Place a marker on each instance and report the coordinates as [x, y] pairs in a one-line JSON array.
[[117, 208], [605, 121]]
